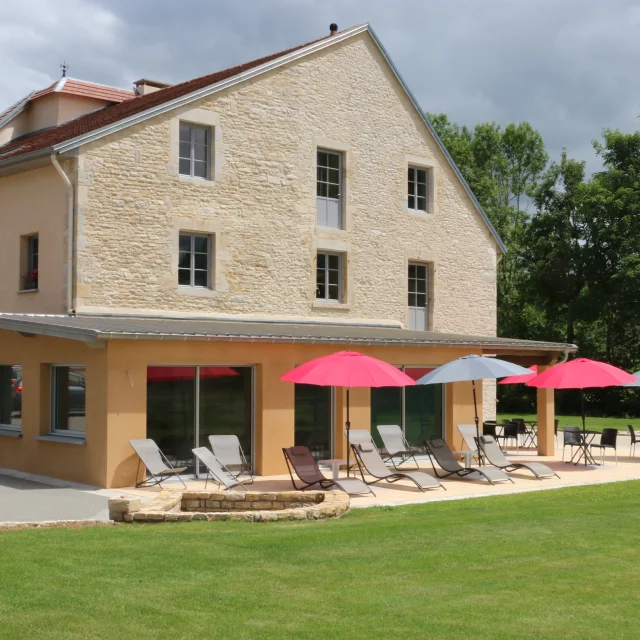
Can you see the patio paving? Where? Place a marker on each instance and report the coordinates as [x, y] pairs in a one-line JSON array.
[[405, 492]]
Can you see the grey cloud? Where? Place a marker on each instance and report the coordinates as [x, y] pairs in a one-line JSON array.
[[569, 66]]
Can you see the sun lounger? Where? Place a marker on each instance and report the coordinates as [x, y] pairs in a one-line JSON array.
[[469, 433], [229, 453], [216, 470], [305, 466], [396, 445], [493, 455], [439, 450], [369, 460], [155, 462]]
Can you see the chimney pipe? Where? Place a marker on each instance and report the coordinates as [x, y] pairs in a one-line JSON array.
[[333, 29]]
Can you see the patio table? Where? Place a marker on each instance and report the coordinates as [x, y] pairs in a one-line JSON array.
[[468, 456], [334, 463], [583, 453]]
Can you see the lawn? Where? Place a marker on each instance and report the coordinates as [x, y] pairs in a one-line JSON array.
[[550, 564], [594, 424]]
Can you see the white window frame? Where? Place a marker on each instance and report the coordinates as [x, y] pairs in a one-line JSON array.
[[323, 202], [192, 160], [192, 253], [414, 310], [71, 433], [4, 426], [325, 272], [412, 185]]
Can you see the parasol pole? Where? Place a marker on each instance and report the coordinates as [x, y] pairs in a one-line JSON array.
[[348, 428], [477, 420]]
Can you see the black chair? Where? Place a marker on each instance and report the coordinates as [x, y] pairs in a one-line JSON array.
[[608, 440], [510, 431], [571, 438], [528, 435], [555, 430], [634, 439], [489, 428]]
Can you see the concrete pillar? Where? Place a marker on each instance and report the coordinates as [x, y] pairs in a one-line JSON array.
[[546, 417]]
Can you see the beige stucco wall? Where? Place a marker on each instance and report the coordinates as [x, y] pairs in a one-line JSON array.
[[33, 202], [262, 204]]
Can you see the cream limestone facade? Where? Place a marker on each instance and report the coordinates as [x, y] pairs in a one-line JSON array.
[[260, 206]]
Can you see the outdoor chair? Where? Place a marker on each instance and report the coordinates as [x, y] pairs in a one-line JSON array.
[[443, 455], [510, 431], [608, 440], [635, 438], [300, 460], [556, 422], [396, 445], [494, 455], [489, 428], [469, 433], [228, 451], [528, 435], [571, 437], [216, 469], [360, 436], [369, 460], [155, 462]]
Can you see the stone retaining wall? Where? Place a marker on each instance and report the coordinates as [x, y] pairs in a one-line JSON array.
[[251, 506]]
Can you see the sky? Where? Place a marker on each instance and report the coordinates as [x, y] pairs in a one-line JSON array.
[[569, 67]]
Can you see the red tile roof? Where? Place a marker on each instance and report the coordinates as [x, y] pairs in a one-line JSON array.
[[87, 89], [42, 140]]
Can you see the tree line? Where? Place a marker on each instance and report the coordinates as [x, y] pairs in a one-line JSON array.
[[572, 271]]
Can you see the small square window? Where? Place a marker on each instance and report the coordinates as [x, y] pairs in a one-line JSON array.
[[329, 277], [195, 260], [418, 189], [194, 151]]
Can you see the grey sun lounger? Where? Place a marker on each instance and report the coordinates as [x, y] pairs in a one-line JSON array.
[[305, 466], [229, 453], [439, 450], [396, 445], [494, 455], [216, 470], [155, 462], [369, 460]]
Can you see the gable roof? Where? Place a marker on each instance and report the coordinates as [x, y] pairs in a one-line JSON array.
[[86, 89], [100, 123]]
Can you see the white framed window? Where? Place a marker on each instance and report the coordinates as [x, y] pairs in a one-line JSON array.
[[329, 276], [11, 397], [418, 189], [68, 399], [195, 151], [194, 260], [329, 189], [418, 294]]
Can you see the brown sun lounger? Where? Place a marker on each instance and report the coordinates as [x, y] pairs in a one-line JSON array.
[[369, 460], [439, 450], [300, 461], [493, 455]]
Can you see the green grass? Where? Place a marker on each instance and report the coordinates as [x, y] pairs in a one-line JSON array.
[[551, 564], [594, 424]]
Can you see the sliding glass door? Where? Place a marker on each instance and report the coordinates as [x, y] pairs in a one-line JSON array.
[[314, 419], [187, 404]]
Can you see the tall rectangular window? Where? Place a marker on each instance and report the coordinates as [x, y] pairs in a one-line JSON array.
[[417, 189], [29, 262], [11, 396], [68, 398], [194, 151], [194, 260], [418, 296], [329, 189], [329, 277]]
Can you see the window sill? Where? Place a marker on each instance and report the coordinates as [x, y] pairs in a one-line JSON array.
[[10, 433], [27, 290], [53, 437], [202, 182], [196, 292], [338, 306]]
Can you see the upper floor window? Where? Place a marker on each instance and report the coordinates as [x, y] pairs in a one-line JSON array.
[[329, 277], [29, 262], [418, 296], [418, 188], [194, 150], [194, 260], [329, 189]]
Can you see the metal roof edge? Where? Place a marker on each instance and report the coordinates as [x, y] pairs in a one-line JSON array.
[[44, 329], [15, 109], [439, 142]]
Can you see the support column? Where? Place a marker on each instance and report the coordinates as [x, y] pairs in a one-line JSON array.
[[546, 419]]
